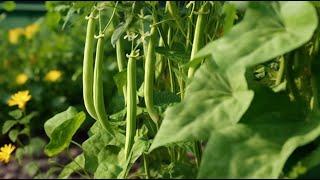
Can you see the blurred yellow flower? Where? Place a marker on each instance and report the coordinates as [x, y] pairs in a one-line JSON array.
[[20, 99], [5, 152], [31, 30], [21, 78], [53, 75], [14, 35]]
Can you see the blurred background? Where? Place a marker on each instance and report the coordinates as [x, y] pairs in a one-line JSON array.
[[41, 50]]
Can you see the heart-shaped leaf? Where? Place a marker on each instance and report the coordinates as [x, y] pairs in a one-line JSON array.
[[267, 30], [260, 144]]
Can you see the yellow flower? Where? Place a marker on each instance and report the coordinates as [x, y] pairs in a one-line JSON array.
[[53, 75], [5, 152], [20, 99], [31, 30], [14, 35], [21, 78]]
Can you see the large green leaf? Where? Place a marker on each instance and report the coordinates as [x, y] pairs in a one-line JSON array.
[[61, 129], [96, 143], [206, 106], [8, 125], [112, 164], [267, 30], [260, 144], [58, 119], [72, 167]]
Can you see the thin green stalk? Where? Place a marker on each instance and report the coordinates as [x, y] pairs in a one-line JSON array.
[[62, 166], [70, 156], [171, 76], [281, 71], [111, 18], [142, 29], [315, 105], [77, 144], [197, 153], [293, 89], [159, 62], [146, 167], [131, 103], [173, 11]]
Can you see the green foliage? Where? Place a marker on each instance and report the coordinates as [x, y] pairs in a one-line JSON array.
[[250, 110], [61, 128], [9, 5]]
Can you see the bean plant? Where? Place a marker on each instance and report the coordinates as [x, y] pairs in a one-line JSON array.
[[208, 89]]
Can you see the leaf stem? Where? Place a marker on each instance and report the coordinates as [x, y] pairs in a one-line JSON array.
[[281, 71]]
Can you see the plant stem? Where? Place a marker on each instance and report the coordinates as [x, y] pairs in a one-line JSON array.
[[70, 156], [173, 11], [146, 168], [281, 71]]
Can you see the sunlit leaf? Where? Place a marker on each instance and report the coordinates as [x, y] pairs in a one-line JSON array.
[[61, 128], [206, 106], [267, 30], [259, 146]]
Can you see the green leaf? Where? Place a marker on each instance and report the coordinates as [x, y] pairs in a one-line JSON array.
[[259, 146], [120, 79], [112, 164], [96, 143], [25, 131], [35, 147], [165, 99], [267, 30], [179, 170], [16, 114], [52, 19], [9, 5], [81, 4], [32, 168], [58, 119], [70, 14], [120, 29], [8, 125], [72, 167], [173, 55], [61, 129], [13, 135], [19, 152], [206, 106], [26, 120]]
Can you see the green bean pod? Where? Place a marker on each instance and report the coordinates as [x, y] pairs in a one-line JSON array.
[[98, 98], [149, 76], [87, 75], [198, 40], [131, 104]]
